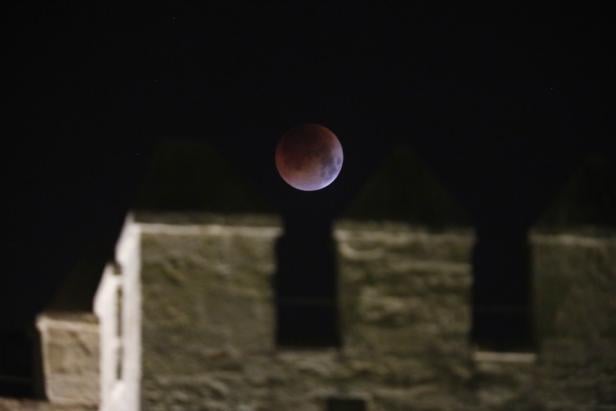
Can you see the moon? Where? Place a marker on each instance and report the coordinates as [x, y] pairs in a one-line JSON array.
[[309, 157]]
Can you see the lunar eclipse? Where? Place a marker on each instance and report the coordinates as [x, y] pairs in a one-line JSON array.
[[309, 157]]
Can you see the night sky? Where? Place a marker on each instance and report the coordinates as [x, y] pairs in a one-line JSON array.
[[502, 112]]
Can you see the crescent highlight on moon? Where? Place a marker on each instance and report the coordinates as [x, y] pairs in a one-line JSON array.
[[309, 157]]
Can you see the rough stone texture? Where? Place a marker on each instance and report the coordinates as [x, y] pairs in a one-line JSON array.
[[575, 295], [208, 325], [71, 345], [28, 405]]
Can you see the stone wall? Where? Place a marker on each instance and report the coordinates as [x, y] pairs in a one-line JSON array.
[[208, 332], [70, 345], [91, 359], [10, 404]]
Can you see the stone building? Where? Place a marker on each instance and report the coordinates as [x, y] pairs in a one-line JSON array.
[[207, 312], [209, 324], [90, 359]]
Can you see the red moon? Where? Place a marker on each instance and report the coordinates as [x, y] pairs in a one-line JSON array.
[[309, 157]]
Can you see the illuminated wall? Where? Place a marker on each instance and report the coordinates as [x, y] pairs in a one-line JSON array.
[[209, 324]]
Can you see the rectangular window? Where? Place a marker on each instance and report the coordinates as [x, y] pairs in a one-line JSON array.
[[502, 293], [119, 338], [306, 295]]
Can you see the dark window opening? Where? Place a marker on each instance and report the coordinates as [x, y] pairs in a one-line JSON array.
[[502, 292], [307, 324], [119, 331], [305, 287]]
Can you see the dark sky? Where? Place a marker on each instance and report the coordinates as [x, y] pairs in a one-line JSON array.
[[502, 110]]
